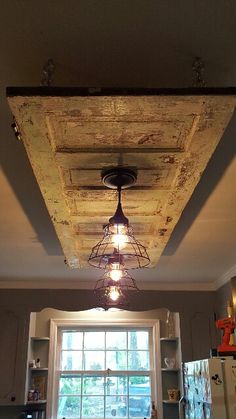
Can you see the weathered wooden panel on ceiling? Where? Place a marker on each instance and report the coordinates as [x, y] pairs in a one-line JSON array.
[[69, 139]]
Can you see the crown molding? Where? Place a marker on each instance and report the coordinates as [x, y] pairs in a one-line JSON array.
[[177, 286], [227, 276]]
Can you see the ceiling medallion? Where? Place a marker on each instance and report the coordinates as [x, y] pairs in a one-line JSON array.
[[118, 250]]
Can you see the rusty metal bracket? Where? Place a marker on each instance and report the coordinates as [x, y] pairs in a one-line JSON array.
[[16, 130]]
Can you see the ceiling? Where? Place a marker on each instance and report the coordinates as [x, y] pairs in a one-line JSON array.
[[117, 44]]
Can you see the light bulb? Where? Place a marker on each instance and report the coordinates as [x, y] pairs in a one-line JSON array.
[[114, 293], [116, 270], [116, 274], [119, 240], [119, 237]]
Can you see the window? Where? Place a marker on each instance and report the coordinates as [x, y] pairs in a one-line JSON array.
[[103, 372]]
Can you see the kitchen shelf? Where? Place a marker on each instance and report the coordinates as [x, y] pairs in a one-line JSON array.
[[40, 338], [37, 377], [36, 402], [174, 339], [170, 401], [171, 378]]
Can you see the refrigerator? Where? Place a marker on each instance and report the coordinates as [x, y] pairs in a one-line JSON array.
[[210, 389]]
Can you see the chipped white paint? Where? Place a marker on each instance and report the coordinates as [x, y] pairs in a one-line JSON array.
[[170, 140]]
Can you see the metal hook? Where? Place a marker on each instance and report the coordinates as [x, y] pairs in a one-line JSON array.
[[48, 73]]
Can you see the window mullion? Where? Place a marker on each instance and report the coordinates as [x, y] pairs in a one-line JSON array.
[[104, 372], [127, 349], [83, 372], [105, 377]]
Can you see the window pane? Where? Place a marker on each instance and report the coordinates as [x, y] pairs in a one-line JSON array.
[[116, 385], [116, 407], [139, 390], [70, 385], [138, 360], [93, 385], [93, 407], [94, 340], [139, 385], [72, 340], [68, 407], [116, 340], [138, 339], [94, 360], [139, 406], [116, 360], [71, 360]]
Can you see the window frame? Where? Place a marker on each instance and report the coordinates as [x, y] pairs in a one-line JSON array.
[[54, 368]]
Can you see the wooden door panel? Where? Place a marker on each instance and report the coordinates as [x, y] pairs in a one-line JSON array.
[[69, 139]]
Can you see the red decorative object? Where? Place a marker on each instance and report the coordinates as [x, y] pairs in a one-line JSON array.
[[226, 324]]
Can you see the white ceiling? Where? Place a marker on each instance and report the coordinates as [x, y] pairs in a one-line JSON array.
[[117, 44]]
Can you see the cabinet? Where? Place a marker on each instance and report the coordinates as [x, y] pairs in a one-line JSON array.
[[14, 332], [171, 376]]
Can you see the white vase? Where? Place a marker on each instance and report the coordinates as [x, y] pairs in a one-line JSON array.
[[169, 362]]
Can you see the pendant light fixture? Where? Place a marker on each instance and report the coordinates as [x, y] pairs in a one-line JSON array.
[[115, 293], [118, 248]]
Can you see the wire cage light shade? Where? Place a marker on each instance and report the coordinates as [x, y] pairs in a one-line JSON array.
[[128, 250], [112, 293]]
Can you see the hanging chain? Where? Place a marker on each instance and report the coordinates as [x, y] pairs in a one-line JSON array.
[[198, 68], [47, 79], [48, 73]]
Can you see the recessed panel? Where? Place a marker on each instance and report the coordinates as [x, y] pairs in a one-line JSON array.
[[159, 178], [73, 133], [106, 208]]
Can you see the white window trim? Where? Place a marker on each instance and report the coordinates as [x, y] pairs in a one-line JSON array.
[[57, 323]]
